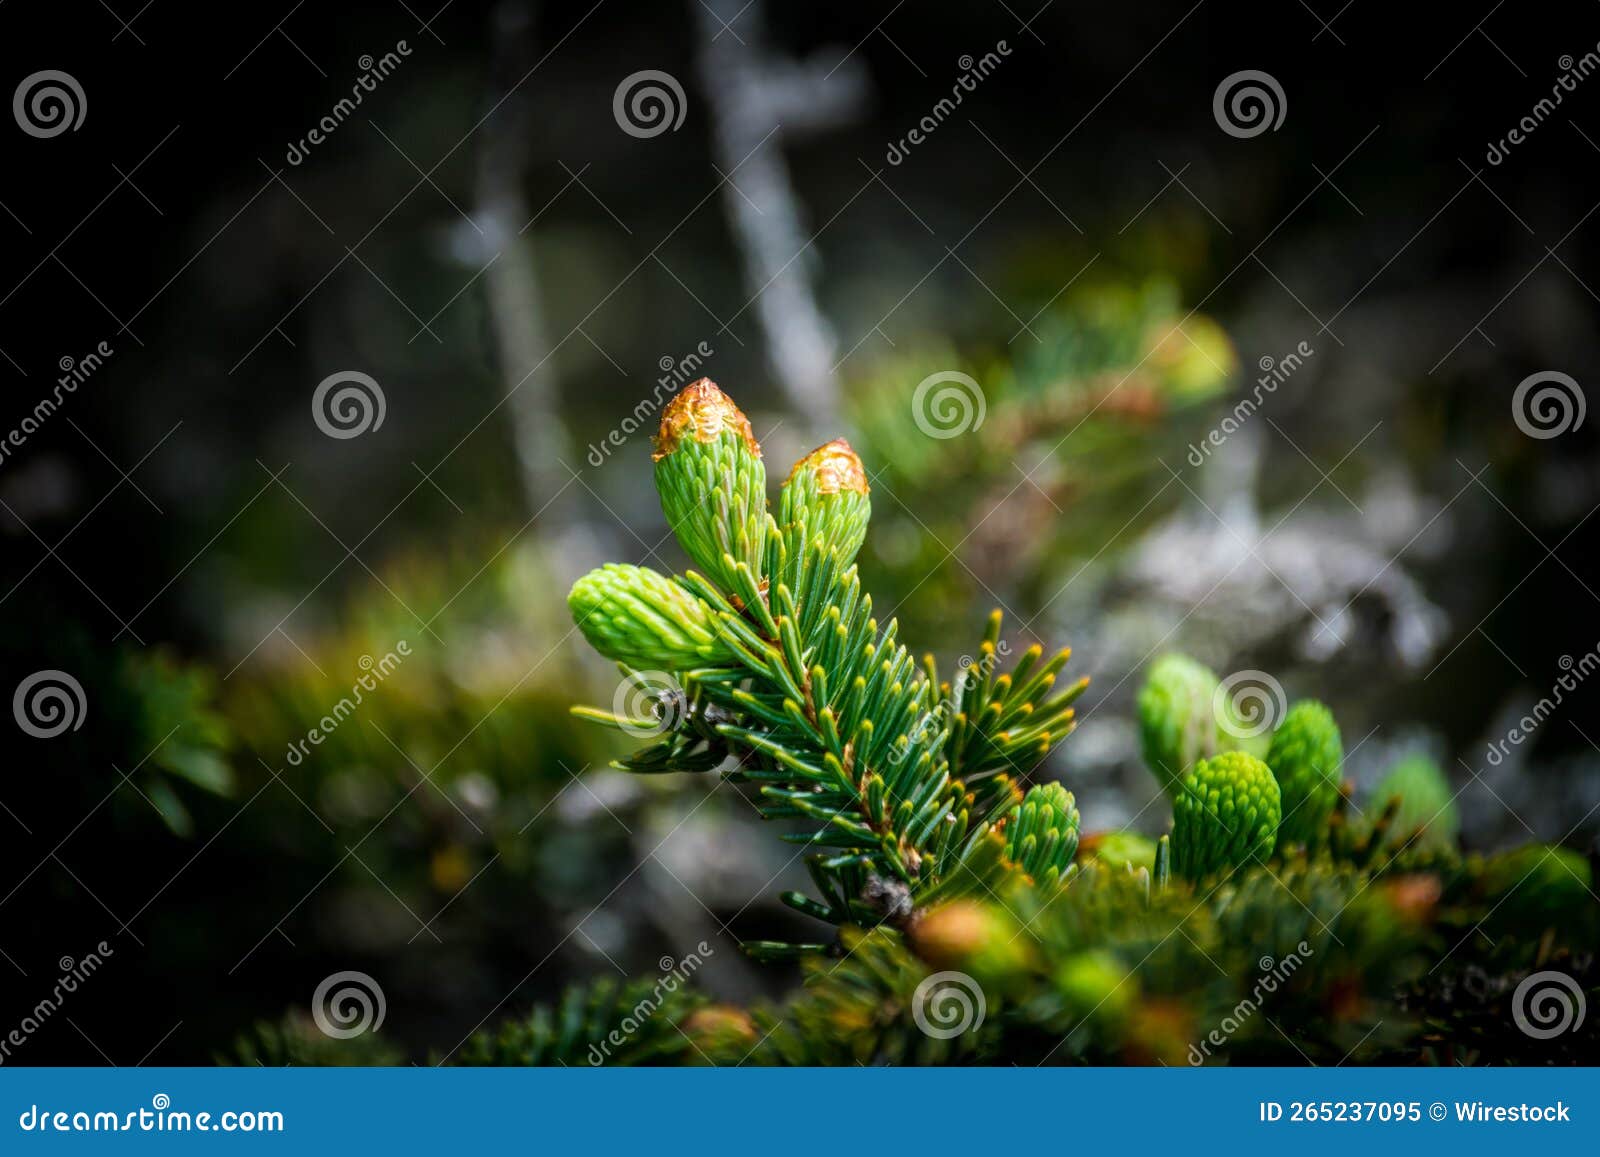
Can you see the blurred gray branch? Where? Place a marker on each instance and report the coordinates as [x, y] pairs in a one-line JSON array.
[[517, 319], [756, 96]]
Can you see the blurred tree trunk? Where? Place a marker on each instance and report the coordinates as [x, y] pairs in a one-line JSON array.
[[755, 99], [544, 449]]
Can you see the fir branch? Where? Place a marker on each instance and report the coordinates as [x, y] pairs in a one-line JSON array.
[[892, 775]]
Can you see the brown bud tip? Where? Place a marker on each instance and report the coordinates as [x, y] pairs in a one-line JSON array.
[[837, 468], [951, 933], [703, 412]]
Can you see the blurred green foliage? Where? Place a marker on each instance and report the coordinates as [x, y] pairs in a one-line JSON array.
[[1058, 451]]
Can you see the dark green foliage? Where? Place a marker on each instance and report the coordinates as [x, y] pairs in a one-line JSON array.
[[857, 1010], [604, 1023], [296, 1040], [182, 739], [1539, 887], [1309, 962]]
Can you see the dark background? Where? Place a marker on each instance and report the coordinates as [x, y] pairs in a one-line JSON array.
[[182, 538]]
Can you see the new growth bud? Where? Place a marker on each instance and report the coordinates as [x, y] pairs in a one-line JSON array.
[[825, 497], [644, 619], [1304, 757], [712, 483], [1177, 722], [1042, 834], [1225, 815]]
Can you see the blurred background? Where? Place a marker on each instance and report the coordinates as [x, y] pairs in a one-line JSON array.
[[331, 345]]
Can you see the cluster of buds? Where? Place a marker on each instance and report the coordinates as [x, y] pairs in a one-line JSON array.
[[713, 489], [1191, 742]]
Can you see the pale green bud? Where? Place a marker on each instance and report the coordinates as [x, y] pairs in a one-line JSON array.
[[712, 483], [1225, 815], [639, 617]]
